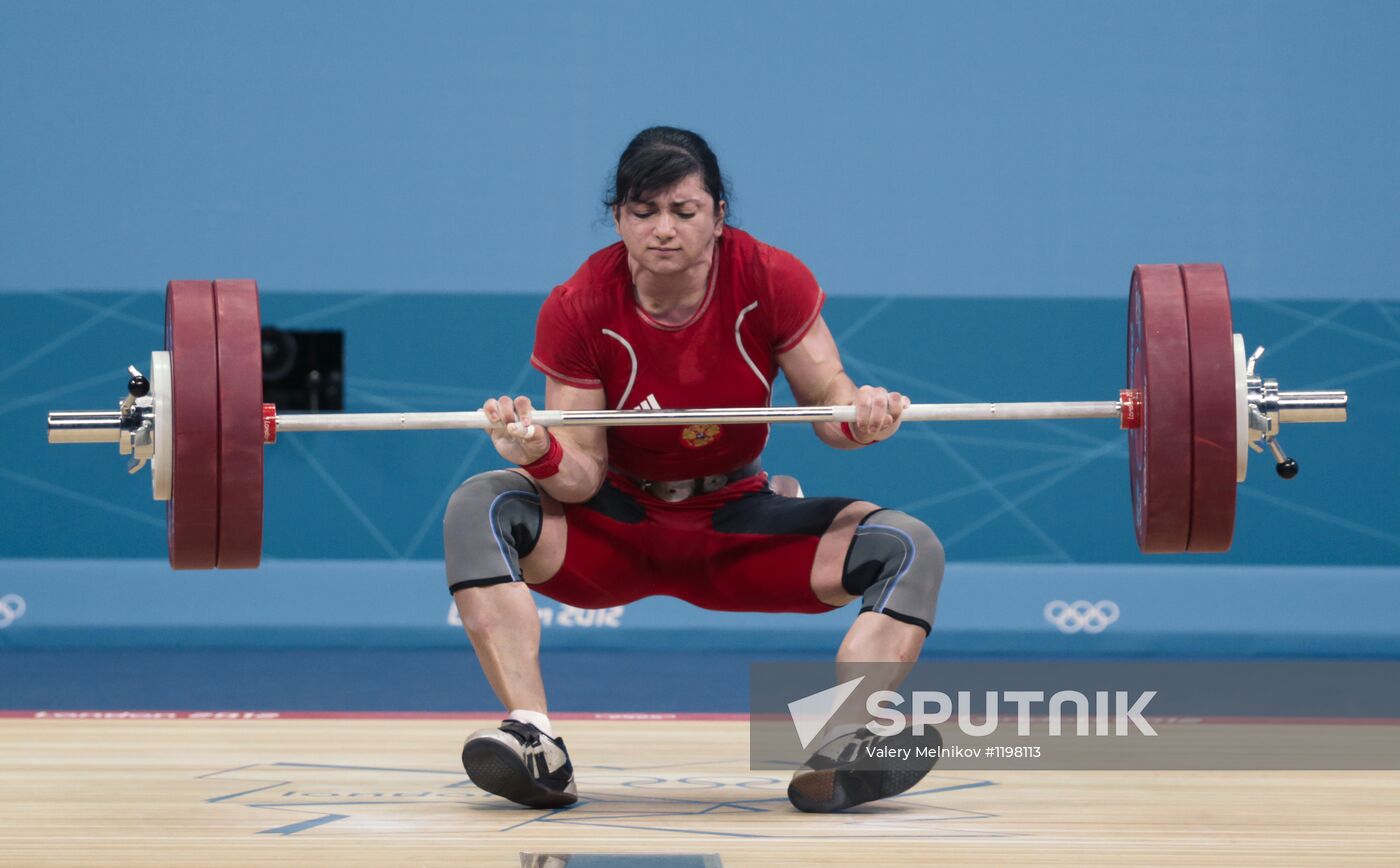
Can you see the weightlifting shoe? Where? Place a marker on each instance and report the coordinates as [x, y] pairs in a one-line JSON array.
[[518, 762], [861, 767]]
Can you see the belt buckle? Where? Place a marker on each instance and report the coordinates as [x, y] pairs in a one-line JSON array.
[[672, 492]]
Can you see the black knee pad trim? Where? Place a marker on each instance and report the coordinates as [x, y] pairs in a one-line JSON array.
[[525, 532], [903, 619], [856, 580], [479, 583]]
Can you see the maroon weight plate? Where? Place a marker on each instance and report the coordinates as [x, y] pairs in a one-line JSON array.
[[240, 423], [192, 512], [1213, 462], [1159, 368]]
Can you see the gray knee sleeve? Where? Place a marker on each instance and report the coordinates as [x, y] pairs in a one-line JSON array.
[[492, 521], [895, 564]]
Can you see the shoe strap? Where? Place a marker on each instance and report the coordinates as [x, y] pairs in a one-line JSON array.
[[527, 733]]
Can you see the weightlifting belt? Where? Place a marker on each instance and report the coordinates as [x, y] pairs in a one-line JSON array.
[[676, 490]]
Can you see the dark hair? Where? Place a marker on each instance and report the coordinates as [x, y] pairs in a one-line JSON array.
[[660, 157]]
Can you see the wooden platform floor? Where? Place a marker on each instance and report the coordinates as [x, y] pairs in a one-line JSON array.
[[390, 791]]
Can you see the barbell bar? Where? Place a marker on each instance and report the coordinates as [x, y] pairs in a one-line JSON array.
[[1193, 407], [105, 427]]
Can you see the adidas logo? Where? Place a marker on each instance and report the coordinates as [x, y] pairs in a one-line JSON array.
[[650, 403]]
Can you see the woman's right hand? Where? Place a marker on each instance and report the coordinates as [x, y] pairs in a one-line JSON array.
[[512, 432]]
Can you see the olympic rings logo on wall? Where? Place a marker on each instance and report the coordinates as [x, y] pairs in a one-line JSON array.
[[12, 608], [1081, 616]]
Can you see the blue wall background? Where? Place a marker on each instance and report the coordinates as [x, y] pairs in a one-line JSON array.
[[971, 182], [906, 148]]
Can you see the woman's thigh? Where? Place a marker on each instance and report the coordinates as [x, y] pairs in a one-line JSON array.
[[591, 555]]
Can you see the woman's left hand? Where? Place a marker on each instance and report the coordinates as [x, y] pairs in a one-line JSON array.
[[877, 413]]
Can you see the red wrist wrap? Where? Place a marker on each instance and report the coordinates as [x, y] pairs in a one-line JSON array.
[[547, 464], [846, 429]]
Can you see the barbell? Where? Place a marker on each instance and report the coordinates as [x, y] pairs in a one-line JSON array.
[[1193, 406]]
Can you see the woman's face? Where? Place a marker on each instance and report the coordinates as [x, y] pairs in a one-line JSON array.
[[673, 230]]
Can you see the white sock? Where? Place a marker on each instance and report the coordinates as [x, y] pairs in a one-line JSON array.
[[538, 719]]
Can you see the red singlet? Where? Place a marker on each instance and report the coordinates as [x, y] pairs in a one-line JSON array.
[[592, 334]]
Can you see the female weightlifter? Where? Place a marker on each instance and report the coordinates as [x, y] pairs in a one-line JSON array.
[[683, 312]]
